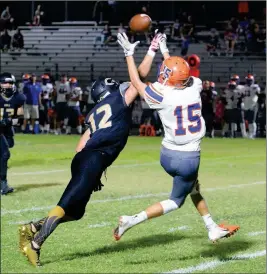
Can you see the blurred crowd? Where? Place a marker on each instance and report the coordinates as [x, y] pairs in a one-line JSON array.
[[60, 107]]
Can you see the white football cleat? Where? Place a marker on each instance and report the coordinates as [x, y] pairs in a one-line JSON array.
[[125, 223], [222, 231]]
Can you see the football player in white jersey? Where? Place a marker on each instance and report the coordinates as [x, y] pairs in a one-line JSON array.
[[46, 95], [176, 97], [238, 112], [228, 95], [251, 92], [236, 78], [73, 103], [62, 88]]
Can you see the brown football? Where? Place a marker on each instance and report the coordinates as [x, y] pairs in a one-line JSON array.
[[140, 23]]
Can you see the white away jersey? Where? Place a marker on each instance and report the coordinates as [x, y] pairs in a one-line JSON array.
[[88, 93], [180, 113], [62, 90], [237, 98], [251, 96], [75, 93], [47, 91], [228, 94]]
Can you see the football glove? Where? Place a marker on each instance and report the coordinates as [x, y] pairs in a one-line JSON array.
[[154, 45], [128, 48], [163, 44]]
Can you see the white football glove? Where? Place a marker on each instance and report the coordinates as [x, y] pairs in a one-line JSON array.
[[163, 44], [128, 48], [154, 45]]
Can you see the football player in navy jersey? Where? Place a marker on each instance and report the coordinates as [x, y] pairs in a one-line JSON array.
[[108, 130], [11, 103]]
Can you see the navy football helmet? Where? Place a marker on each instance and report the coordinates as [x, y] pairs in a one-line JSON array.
[[7, 84], [103, 87]]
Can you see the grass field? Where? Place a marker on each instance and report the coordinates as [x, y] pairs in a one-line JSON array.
[[232, 177]]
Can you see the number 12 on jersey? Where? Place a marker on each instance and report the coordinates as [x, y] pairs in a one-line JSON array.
[[192, 117]]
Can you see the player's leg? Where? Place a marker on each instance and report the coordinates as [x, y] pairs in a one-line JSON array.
[[234, 122], [4, 157], [215, 232], [69, 117], [252, 127], [86, 173], [183, 167], [243, 124], [227, 120], [77, 120], [26, 111]]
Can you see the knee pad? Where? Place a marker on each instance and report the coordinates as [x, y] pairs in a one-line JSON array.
[[196, 188]]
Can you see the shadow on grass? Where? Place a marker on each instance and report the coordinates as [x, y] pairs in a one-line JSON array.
[[223, 250], [26, 187], [149, 241]]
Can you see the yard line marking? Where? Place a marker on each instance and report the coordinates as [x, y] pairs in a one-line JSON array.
[[23, 222], [184, 227], [100, 225], [215, 263], [124, 166], [256, 233], [123, 198]]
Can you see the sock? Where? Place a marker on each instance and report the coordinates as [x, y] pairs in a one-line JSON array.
[[233, 129], [254, 126], [79, 129], [49, 225], [139, 218], [243, 130], [68, 130], [225, 129], [36, 226], [250, 130], [47, 127], [208, 221]]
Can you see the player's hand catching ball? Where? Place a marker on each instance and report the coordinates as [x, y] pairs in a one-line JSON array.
[[126, 45], [154, 45], [163, 44]]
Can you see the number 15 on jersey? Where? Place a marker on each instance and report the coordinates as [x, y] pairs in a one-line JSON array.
[[193, 121]]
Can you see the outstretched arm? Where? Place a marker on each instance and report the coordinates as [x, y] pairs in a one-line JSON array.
[[145, 66], [129, 51]]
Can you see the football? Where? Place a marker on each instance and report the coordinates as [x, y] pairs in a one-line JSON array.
[[140, 23]]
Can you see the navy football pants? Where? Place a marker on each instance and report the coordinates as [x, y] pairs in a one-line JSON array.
[[86, 171], [5, 144], [183, 167]]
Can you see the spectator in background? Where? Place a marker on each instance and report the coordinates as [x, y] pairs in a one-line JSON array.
[[234, 24], [37, 16], [32, 90], [213, 43], [5, 41], [106, 35], [187, 30], [121, 28], [175, 33], [6, 18], [18, 40], [230, 39], [243, 28]]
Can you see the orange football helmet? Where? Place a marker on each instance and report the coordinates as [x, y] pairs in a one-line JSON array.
[[174, 71], [73, 80], [26, 76], [45, 76]]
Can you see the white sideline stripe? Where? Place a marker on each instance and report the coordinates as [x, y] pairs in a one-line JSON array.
[[256, 233], [215, 263], [100, 225], [123, 166], [130, 197], [184, 227]]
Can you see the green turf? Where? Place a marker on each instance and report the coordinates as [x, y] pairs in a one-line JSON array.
[[152, 247]]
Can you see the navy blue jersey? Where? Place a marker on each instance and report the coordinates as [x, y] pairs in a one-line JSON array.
[[8, 109], [109, 122]]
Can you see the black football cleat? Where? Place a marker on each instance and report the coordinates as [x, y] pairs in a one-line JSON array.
[[5, 188]]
